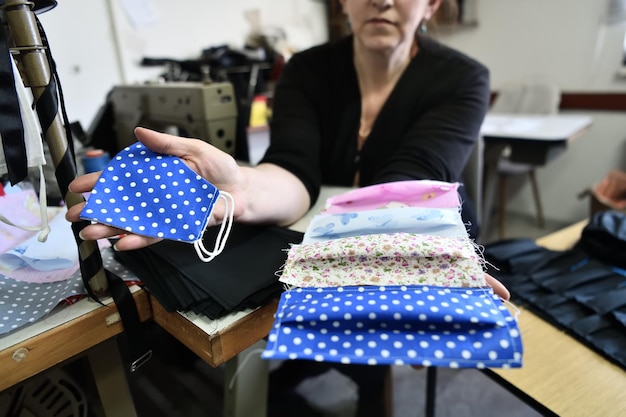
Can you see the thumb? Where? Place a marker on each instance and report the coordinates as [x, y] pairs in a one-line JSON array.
[[165, 143]]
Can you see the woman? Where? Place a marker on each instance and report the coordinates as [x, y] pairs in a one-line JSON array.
[[381, 105]]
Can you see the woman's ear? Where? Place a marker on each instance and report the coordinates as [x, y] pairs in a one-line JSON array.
[[433, 6]]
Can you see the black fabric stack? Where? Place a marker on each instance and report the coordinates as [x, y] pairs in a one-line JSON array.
[[244, 275], [582, 290]]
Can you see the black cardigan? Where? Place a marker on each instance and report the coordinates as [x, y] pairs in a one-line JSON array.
[[426, 129]]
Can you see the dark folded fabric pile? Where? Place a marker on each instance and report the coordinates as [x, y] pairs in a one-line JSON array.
[[244, 275], [582, 290]]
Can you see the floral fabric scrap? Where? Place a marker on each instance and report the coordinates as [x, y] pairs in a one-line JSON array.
[[384, 259], [396, 325]]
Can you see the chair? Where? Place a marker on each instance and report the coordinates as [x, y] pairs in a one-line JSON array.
[[473, 178], [531, 97]]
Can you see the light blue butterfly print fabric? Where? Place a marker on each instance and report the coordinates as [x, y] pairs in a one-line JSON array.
[[425, 220]]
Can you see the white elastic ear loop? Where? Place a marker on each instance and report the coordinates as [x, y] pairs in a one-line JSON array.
[[43, 212], [222, 235], [515, 308]]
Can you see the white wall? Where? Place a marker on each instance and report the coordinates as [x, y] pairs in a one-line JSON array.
[[567, 41], [81, 41], [183, 32], [97, 44], [570, 43]]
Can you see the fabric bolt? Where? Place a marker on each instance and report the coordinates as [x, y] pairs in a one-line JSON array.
[[22, 303], [396, 325], [384, 259], [54, 254], [433, 221], [159, 196], [417, 193]]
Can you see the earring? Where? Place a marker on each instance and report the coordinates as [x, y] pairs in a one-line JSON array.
[[423, 28]]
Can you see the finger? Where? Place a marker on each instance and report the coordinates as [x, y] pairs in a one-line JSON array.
[[73, 213], [84, 183], [99, 231], [167, 144], [498, 287], [132, 242]]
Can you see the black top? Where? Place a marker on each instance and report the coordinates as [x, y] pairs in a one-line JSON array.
[[426, 129]]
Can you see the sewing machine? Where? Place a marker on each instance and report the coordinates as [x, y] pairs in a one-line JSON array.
[[206, 111]]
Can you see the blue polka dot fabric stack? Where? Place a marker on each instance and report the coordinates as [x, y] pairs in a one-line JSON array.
[[380, 298], [396, 325], [152, 194]]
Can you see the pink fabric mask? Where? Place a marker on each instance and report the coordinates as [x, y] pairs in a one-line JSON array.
[[414, 193]]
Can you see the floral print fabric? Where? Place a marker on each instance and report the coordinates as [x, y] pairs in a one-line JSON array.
[[384, 259]]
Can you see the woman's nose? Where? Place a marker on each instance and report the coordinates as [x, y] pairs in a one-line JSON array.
[[382, 3]]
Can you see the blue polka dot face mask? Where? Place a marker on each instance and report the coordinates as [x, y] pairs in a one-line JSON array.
[[157, 195], [396, 325]]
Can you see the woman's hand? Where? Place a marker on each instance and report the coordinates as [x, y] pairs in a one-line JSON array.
[[498, 287], [216, 166]]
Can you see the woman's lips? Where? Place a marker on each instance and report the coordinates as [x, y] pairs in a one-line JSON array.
[[378, 21]]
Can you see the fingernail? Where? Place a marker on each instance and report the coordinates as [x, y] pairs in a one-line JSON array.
[[80, 235]]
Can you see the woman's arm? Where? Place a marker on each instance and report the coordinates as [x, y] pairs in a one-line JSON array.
[[262, 194], [431, 129]]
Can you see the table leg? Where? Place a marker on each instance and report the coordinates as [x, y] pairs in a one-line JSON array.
[[431, 391], [109, 373], [246, 383], [493, 152]]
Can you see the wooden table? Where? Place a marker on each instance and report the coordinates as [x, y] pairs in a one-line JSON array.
[[561, 375], [85, 327]]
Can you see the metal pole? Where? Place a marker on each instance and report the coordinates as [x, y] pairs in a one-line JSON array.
[[36, 72]]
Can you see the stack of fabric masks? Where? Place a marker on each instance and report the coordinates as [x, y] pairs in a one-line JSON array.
[[387, 275]]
